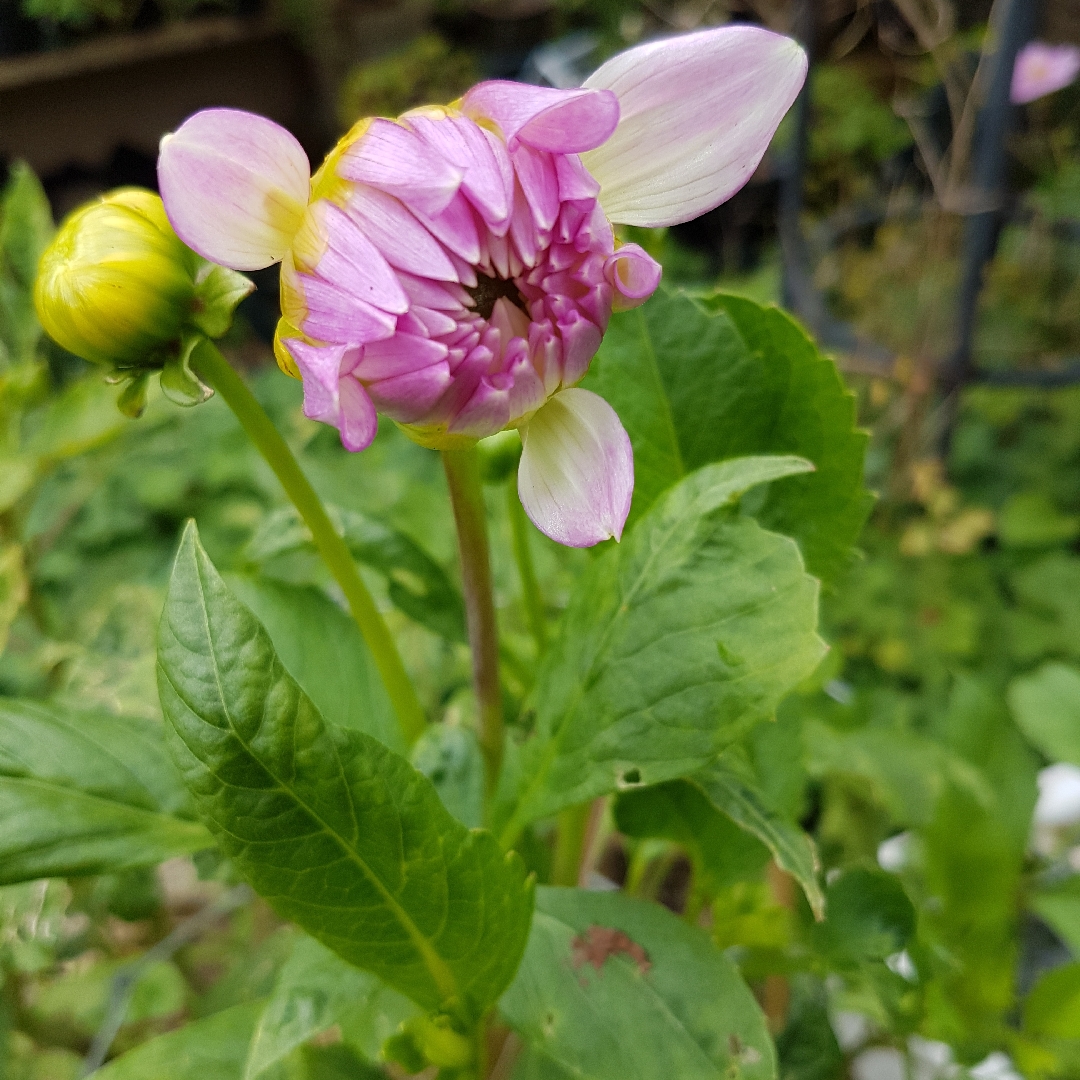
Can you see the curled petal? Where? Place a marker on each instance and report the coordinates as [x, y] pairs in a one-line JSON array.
[[561, 121], [633, 274], [1042, 69], [696, 115], [576, 476], [235, 186], [358, 422]]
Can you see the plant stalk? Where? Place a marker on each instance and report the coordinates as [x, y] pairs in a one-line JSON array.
[[467, 497], [530, 589], [573, 827], [219, 374]]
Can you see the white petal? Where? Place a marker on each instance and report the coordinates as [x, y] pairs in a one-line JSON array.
[[696, 115], [235, 186], [576, 476]]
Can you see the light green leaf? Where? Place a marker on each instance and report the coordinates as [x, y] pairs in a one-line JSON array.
[[83, 416], [324, 651], [417, 584], [732, 790], [87, 793], [210, 1049], [341, 835], [613, 988], [26, 227], [675, 644], [315, 990], [17, 475], [14, 588], [701, 812], [1046, 708], [1052, 1009], [697, 381], [217, 291], [450, 758]]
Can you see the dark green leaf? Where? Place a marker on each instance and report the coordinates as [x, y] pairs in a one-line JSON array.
[[676, 643], [1046, 707], [26, 227], [450, 758], [416, 583], [324, 651], [1059, 906], [341, 835], [702, 381], [210, 1049], [612, 987], [315, 990], [87, 793]]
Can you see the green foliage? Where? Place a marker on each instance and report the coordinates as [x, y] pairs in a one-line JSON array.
[[83, 793], [697, 381], [612, 987], [427, 72], [676, 643], [340, 834], [1046, 707]]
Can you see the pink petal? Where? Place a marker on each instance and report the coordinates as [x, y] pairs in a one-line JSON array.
[[455, 227], [354, 263], [408, 398], [320, 368], [334, 315], [396, 160], [403, 241], [358, 421], [562, 121], [1042, 69], [634, 274], [576, 476], [697, 114], [399, 355], [235, 187]]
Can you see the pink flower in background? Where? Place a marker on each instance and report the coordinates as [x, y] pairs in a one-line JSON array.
[[1040, 69], [456, 268]]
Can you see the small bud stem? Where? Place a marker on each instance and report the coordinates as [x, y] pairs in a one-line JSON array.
[[218, 373], [530, 589], [470, 516]]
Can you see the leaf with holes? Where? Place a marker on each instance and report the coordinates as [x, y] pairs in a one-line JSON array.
[[697, 381], [341, 835], [612, 987], [676, 643]]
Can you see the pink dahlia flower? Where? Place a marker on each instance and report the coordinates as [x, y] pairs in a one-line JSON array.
[[456, 268], [1041, 69]]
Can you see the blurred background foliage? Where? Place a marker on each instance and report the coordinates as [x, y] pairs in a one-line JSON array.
[[935, 757]]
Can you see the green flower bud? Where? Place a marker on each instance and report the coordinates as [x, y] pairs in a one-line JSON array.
[[118, 288]]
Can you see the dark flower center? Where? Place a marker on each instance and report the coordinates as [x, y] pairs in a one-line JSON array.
[[489, 289]]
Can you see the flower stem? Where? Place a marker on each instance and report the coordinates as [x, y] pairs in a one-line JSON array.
[[573, 826], [467, 497], [218, 373], [530, 589]]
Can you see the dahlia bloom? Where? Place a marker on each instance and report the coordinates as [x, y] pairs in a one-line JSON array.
[[456, 268], [1042, 69]]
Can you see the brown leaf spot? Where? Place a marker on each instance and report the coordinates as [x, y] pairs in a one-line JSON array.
[[600, 942]]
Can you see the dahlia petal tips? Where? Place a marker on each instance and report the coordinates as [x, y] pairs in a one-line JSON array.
[[559, 121], [1042, 69], [576, 475], [235, 187], [696, 114]]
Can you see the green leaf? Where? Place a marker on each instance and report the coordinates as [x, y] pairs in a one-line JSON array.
[[14, 588], [700, 812], [26, 227], [417, 584], [324, 651], [870, 917], [613, 988], [315, 990], [449, 756], [697, 381], [1046, 707], [1052, 1009], [210, 1049], [217, 292], [341, 835], [83, 416], [676, 643], [733, 791], [87, 793]]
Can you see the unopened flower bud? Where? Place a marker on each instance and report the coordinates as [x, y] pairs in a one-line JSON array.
[[119, 288]]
